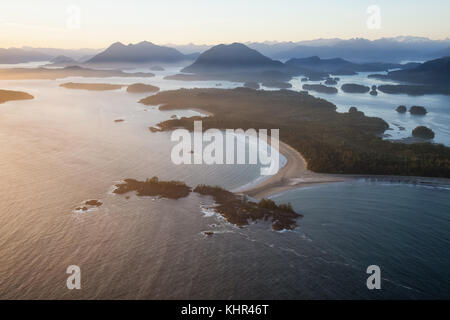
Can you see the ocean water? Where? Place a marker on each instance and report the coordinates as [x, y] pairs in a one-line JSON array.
[[63, 148], [383, 105]]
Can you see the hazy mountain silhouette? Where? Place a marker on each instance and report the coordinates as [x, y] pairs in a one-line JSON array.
[[76, 54], [433, 72], [231, 58], [339, 66], [363, 50], [16, 55], [63, 59], [141, 52]]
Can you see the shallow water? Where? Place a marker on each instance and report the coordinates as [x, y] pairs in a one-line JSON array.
[[63, 148]]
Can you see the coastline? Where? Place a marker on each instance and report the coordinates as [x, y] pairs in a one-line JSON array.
[[294, 174]]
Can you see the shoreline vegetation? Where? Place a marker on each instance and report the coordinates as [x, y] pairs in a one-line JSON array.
[[330, 142], [9, 95], [235, 208], [413, 90]]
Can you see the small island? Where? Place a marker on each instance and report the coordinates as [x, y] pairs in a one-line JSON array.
[[94, 203], [154, 187], [418, 110], [238, 210], [91, 86], [354, 88], [142, 88], [319, 88], [87, 204], [8, 95], [401, 109], [423, 132]]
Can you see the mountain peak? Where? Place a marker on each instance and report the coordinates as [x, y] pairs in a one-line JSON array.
[[141, 52], [230, 57]]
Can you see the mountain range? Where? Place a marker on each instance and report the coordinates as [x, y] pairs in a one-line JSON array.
[[142, 52], [362, 50], [388, 50], [339, 66], [17, 55]]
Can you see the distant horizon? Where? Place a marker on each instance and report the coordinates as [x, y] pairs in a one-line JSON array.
[[26, 46], [85, 24]]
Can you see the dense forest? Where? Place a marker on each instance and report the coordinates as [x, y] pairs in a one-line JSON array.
[[331, 142]]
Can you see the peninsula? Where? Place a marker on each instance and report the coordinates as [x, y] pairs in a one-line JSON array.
[[329, 141]]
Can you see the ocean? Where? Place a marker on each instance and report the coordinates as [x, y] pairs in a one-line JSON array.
[[64, 148]]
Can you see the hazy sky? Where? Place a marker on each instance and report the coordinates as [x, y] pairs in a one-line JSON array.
[[54, 23]]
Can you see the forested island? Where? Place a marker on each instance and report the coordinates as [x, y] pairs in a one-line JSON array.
[[236, 209], [319, 88], [355, 88], [154, 187], [331, 142]]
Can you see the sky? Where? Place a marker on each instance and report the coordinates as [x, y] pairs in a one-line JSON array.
[[98, 23]]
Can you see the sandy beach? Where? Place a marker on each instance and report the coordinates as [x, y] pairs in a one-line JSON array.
[[293, 175], [296, 175]]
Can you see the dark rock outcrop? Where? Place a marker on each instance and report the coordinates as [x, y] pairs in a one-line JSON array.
[[423, 132], [418, 110], [401, 109]]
